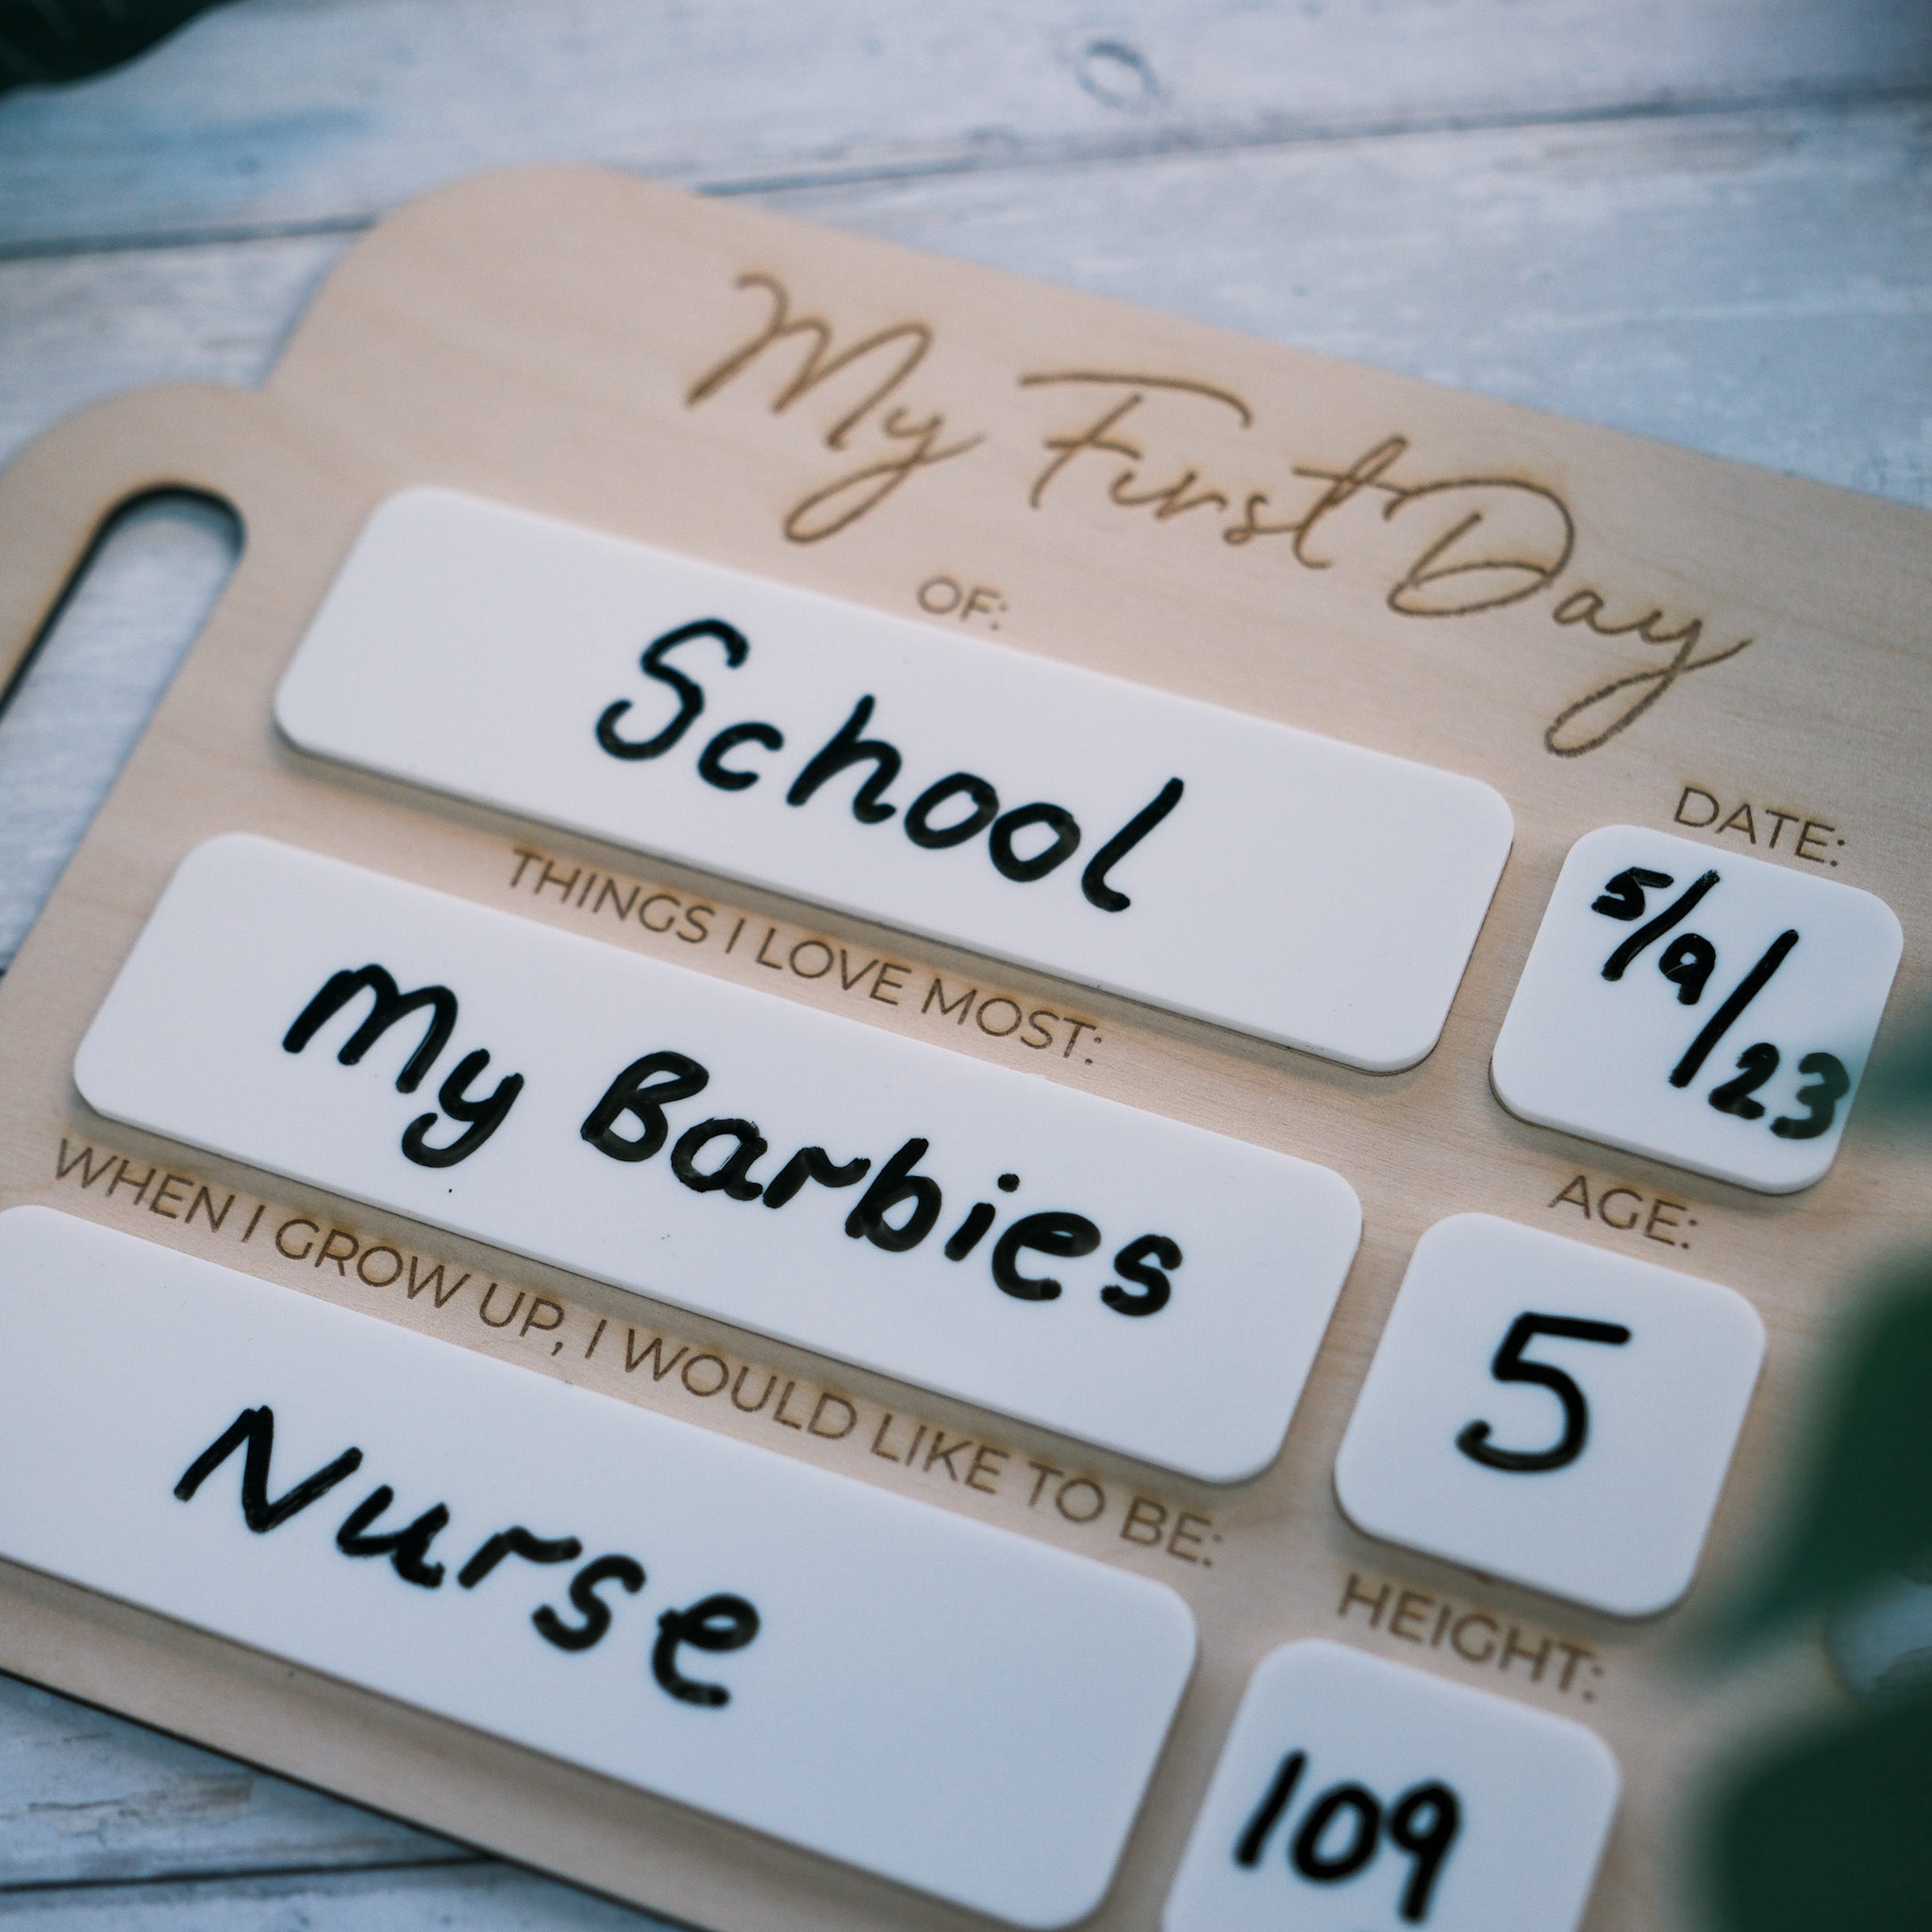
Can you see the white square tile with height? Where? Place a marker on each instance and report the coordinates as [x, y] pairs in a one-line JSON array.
[[1355, 1795]]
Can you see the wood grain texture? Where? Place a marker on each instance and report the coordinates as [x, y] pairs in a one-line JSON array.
[[1756, 284], [80, 327], [479, 1897], [324, 112], [1533, 201], [423, 358], [88, 1799]]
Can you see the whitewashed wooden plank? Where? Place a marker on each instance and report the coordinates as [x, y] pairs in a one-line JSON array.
[[73, 329], [477, 1897], [86, 1798], [294, 111], [1755, 284]]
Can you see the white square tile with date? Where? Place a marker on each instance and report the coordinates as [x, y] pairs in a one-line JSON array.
[[1707, 1009], [1358, 1795], [1551, 1412]]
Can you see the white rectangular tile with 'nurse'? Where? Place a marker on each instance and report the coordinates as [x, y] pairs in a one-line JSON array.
[[922, 1696], [1220, 865], [1106, 1272]]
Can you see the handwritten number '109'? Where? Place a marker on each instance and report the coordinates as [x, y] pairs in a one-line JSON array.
[[1422, 1822], [1510, 1366]]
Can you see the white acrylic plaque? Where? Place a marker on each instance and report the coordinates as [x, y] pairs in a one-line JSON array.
[[789, 1649], [1704, 1009], [1240, 871], [1099, 1271], [1360, 1795], [1547, 1411]]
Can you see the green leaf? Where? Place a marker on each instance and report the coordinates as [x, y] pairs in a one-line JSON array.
[[1898, 1083], [1830, 1827], [47, 40], [1863, 1505]]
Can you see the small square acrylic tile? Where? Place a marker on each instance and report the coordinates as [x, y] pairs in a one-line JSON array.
[[1549, 1412], [1707, 1009], [1360, 1795]]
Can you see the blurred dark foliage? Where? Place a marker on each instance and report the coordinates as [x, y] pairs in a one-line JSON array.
[[1862, 1511], [1829, 1828], [1828, 1824], [47, 41], [1898, 1086]]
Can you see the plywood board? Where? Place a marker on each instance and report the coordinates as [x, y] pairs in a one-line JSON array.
[[1648, 629]]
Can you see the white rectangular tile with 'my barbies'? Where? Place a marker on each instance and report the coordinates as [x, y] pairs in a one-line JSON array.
[[615, 1588], [988, 797], [1103, 1271]]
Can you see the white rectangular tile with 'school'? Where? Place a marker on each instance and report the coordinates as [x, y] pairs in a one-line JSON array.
[[792, 1650], [1105, 1272], [983, 796]]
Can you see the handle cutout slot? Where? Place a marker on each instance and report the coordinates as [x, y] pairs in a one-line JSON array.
[[87, 687]]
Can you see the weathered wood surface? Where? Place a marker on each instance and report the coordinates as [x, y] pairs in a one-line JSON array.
[[1708, 222], [1753, 283], [321, 112], [88, 1799], [480, 1897]]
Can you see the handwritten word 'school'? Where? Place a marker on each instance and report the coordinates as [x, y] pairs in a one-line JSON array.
[[1025, 842]]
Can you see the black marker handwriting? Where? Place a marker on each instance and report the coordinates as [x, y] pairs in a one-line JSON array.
[[390, 1005], [900, 1208], [718, 1622], [1025, 843]]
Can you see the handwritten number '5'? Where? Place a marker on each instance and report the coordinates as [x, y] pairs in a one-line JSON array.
[[1510, 1366]]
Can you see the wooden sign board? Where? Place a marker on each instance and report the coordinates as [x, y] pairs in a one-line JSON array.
[[1604, 630]]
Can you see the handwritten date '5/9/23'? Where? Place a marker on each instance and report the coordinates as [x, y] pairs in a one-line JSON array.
[[1702, 1007], [1688, 961]]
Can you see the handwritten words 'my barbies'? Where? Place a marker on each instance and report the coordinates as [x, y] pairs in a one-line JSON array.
[[1450, 546]]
